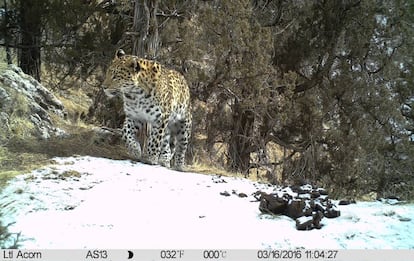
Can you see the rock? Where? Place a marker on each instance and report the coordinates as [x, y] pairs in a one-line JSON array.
[[304, 223], [272, 204], [323, 192], [344, 202], [300, 189], [316, 219], [296, 208], [258, 195], [225, 193], [310, 222], [390, 201], [304, 196], [5, 99], [307, 207], [218, 179], [22, 95], [317, 205], [4, 119], [306, 187], [404, 219], [315, 194], [331, 211], [394, 198], [69, 207]]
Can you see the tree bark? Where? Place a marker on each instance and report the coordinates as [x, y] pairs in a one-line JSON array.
[[7, 37], [241, 139], [146, 41], [30, 33]]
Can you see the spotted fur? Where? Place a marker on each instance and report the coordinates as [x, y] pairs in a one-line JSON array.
[[157, 96]]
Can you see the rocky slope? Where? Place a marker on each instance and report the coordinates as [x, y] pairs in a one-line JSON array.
[[27, 108]]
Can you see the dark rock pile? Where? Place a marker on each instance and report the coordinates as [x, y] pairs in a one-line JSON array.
[[305, 204]]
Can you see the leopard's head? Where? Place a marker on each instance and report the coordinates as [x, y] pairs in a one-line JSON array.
[[128, 72]]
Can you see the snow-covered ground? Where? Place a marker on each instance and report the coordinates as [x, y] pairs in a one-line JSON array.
[[87, 202]]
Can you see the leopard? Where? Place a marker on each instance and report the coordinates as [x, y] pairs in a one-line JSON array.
[[157, 96]]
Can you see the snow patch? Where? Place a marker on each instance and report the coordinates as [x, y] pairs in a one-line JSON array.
[[87, 202]]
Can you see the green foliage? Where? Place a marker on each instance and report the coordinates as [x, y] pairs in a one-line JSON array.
[[4, 235], [350, 63], [76, 38], [81, 36], [329, 82]]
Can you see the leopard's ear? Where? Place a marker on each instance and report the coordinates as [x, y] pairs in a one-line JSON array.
[[119, 53], [135, 65]]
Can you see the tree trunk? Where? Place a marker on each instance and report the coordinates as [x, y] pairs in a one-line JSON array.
[[241, 139], [30, 33], [7, 37], [145, 27]]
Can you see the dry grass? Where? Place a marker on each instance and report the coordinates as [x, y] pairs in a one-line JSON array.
[[208, 167], [13, 163], [83, 141], [202, 161], [18, 125], [76, 104], [23, 155], [214, 163]]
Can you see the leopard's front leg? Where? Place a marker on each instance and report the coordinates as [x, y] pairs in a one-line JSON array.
[[129, 135], [157, 133]]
